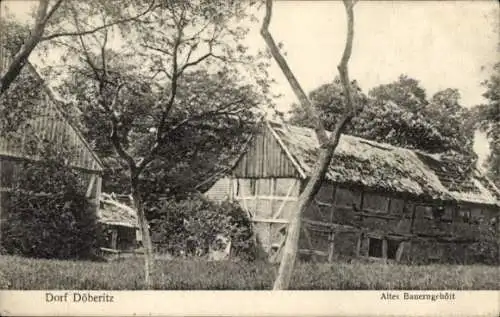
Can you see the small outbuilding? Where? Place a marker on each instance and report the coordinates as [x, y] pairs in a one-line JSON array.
[[378, 202], [119, 222]]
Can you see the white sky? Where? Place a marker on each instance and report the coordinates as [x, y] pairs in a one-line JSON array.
[[443, 44]]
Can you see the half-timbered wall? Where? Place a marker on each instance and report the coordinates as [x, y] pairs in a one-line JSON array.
[[269, 202], [346, 223], [343, 221]]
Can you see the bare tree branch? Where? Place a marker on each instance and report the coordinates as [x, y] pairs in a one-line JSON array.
[[51, 12], [158, 49], [196, 62], [150, 8], [327, 145], [297, 88], [223, 110]]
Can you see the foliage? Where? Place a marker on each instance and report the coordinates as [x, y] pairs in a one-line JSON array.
[[405, 92], [49, 215], [329, 101], [177, 274], [135, 89], [487, 118], [18, 104], [399, 114], [207, 134], [193, 225], [487, 249], [171, 95]]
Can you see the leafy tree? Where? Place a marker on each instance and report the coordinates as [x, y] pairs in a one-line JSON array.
[[329, 101], [327, 143], [203, 144], [451, 119], [145, 96], [487, 117], [385, 121], [435, 126], [50, 24], [405, 92]]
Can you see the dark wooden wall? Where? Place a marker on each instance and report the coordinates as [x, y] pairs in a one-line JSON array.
[[356, 223]]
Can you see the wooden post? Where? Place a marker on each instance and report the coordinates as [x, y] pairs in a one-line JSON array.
[[361, 201], [384, 250], [389, 205], [97, 194], [413, 217], [331, 250], [400, 250], [358, 245], [360, 208], [90, 187], [114, 238], [334, 203]]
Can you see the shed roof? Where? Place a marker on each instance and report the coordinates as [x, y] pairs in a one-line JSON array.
[[85, 158], [116, 213], [381, 166]]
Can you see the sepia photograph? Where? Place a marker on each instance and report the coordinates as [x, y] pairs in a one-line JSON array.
[[254, 145]]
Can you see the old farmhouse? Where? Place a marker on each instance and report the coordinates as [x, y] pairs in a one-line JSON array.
[[380, 202], [50, 124]]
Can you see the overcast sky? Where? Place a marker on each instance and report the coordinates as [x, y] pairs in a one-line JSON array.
[[443, 44]]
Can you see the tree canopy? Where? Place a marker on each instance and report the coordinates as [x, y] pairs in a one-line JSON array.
[[487, 118], [400, 114]]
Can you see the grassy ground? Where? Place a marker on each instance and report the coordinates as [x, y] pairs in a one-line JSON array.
[[24, 273]]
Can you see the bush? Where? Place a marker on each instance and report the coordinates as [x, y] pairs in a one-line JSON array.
[[193, 226], [49, 215], [487, 249]]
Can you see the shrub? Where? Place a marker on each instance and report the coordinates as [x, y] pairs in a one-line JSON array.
[[193, 225], [49, 215], [487, 249]]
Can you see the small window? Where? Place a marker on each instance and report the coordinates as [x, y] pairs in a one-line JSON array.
[[437, 212], [392, 249], [464, 215], [375, 247]]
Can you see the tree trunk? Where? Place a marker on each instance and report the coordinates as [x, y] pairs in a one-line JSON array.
[[21, 57], [290, 249], [144, 227], [327, 144]]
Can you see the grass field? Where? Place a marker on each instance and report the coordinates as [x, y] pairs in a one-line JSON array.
[[179, 274]]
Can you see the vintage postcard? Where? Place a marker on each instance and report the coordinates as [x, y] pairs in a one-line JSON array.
[[248, 158]]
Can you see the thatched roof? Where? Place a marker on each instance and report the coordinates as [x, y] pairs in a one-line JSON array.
[[115, 213], [381, 166]]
